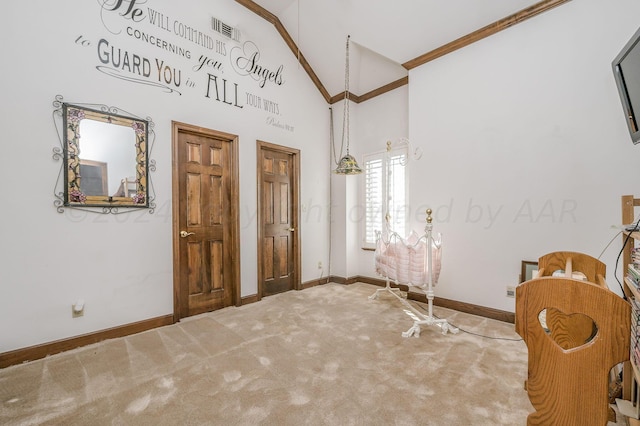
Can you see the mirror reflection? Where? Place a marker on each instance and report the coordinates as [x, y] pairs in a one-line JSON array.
[[106, 158]]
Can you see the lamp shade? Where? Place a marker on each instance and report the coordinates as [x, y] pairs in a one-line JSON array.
[[348, 166]]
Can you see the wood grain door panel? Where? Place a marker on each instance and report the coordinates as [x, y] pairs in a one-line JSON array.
[[278, 220], [276, 175], [206, 275]]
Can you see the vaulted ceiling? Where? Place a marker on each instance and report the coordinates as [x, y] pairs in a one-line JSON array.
[[388, 38]]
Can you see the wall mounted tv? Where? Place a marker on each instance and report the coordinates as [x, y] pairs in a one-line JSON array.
[[626, 70]]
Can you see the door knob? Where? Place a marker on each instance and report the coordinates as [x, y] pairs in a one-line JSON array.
[[291, 229], [185, 234]]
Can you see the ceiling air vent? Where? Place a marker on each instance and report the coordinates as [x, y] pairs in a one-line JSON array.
[[225, 30]]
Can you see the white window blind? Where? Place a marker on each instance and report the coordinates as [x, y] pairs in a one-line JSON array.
[[384, 181]]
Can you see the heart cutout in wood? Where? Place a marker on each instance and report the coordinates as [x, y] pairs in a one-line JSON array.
[[568, 331]]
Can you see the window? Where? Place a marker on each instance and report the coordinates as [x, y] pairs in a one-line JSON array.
[[384, 179]]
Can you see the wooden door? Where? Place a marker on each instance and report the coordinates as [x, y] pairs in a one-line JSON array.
[[278, 234], [206, 248]]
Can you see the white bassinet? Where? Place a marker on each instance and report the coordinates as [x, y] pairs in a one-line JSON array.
[[407, 261], [404, 260]]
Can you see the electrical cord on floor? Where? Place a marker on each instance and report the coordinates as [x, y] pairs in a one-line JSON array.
[[470, 332], [636, 227]]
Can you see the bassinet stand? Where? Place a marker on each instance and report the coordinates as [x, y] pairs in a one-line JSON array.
[[419, 317], [428, 319]]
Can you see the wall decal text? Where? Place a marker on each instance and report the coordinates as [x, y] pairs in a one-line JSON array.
[[179, 58]]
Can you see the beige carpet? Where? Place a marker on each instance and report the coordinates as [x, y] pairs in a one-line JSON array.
[[322, 356]]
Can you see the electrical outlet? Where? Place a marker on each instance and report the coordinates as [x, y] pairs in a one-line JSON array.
[[76, 313], [77, 309], [320, 265], [511, 291]]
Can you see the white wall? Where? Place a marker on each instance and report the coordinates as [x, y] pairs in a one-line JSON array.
[[380, 119], [122, 265], [525, 147]]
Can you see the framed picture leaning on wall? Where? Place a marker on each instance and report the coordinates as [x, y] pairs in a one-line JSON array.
[[529, 270]]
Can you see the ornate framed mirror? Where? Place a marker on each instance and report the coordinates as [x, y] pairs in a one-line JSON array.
[[105, 153]]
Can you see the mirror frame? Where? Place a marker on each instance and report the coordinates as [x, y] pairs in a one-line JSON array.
[[70, 115]]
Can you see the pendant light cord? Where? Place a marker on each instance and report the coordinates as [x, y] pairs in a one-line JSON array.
[[345, 120]]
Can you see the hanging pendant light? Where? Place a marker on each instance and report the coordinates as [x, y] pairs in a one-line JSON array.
[[347, 164]]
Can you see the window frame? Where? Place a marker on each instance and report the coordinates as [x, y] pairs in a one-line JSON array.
[[368, 229]]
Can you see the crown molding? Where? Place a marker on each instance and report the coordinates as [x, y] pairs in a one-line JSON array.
[[466, 40], [485, 32]]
